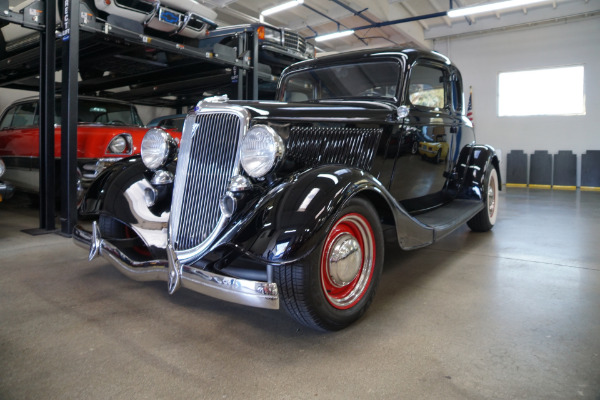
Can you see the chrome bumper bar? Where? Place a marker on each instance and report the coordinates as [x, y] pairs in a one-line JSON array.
[[241, 291]]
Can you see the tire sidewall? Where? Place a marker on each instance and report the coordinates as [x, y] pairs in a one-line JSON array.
[[491, 174]]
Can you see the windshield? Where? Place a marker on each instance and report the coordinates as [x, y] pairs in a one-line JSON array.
[[103, 112], [373, 80]]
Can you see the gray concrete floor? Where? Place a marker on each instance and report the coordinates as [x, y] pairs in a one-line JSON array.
[[510, 314]]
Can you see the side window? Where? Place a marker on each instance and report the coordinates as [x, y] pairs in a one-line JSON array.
[[7, 119], [457, 93], [24, 115], [427, 87]]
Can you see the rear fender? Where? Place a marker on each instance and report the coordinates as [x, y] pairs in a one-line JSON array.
[[480, 159]]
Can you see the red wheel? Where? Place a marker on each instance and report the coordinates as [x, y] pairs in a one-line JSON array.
[[335, 284], [347, 261]]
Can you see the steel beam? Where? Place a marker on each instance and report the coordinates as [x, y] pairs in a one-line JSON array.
[[70, 63], [46, 121]]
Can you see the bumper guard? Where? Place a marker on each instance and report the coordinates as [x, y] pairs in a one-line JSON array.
[[241, 291]]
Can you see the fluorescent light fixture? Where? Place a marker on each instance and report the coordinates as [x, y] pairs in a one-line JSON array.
[[282, 7], [461, 12], [334, 35]]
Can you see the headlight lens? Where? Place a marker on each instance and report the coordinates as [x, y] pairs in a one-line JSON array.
[[273, 35], [261, 149], [310, 50], [120, 144], [157, 148], [2, 167]]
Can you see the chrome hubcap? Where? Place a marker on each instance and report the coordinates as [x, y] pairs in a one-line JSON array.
[[345, 260]]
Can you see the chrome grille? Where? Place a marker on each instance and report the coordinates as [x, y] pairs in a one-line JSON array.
[[318, 145], [208, 158], [293, 41]]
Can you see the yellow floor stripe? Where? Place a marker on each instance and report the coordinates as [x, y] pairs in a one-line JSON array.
[[590, 189], [516, 185], [540, 186], [562, 187]]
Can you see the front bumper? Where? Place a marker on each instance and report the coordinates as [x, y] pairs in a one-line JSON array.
[[241, 291], [6, 191]]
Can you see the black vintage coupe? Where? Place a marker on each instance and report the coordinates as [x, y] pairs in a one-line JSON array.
[[290, 202]]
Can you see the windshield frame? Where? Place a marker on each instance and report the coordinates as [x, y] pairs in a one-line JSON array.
[[396, 98]]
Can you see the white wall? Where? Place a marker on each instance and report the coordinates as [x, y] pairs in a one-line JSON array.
[[480, 58]]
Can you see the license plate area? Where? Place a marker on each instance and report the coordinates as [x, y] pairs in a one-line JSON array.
[[169, 16]]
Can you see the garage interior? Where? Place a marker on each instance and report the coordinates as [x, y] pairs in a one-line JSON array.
[[511, 313]]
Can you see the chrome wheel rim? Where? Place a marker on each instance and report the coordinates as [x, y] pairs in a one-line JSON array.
[[347, 261]]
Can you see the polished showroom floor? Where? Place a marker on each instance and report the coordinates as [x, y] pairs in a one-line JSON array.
[[509, 314]]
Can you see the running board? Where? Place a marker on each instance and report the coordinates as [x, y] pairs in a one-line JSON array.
[[444, 220]]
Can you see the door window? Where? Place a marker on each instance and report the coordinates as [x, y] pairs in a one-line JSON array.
[[20, 116], [427, 87]]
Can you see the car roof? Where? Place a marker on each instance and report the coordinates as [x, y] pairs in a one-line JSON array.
[[409, 54], [92, 98]]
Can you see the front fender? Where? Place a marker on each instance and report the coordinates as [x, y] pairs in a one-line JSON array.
[[96, 194], [293, 218]]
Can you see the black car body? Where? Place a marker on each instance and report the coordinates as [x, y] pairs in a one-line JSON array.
[[291, 201]]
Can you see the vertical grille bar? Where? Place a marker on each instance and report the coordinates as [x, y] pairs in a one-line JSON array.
[[207, 159]]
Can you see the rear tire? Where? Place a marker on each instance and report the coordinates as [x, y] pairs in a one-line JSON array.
[[486, 218], [335, 284]]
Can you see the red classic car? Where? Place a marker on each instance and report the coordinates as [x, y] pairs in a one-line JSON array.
[[107, 131]]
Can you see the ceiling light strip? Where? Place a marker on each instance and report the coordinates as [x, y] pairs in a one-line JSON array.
[[281, 7], [461, 12], [334, 35]]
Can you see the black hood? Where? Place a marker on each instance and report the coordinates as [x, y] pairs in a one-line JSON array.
[[346, 111]]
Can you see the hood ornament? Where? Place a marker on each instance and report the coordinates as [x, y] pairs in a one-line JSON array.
[[212, 99]]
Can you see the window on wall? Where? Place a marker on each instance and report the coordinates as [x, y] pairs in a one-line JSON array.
[[548, 91]]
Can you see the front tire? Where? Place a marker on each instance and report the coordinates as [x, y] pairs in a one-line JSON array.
[[486, 218], [335, 284]]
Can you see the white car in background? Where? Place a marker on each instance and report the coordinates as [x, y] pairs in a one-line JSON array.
[[182, 17]]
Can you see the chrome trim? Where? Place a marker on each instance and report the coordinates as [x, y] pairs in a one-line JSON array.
[[129, 142], [186, 20], [239, 183], [402, 112], [162, 177], [279, 148], [150, 195], [153, 13], [228, 204], [192, 127], [95, 167], [241, 291]]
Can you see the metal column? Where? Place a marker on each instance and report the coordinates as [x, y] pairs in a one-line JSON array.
[[69, 91], [255, 66], [46, 111]]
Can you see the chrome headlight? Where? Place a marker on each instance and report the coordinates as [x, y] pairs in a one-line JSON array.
[[273, 35], [310, 50], [158, 148], [2, 167], [120, 144], [261, 150]]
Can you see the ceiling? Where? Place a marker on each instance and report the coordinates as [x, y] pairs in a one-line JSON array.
[[326, 16]]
